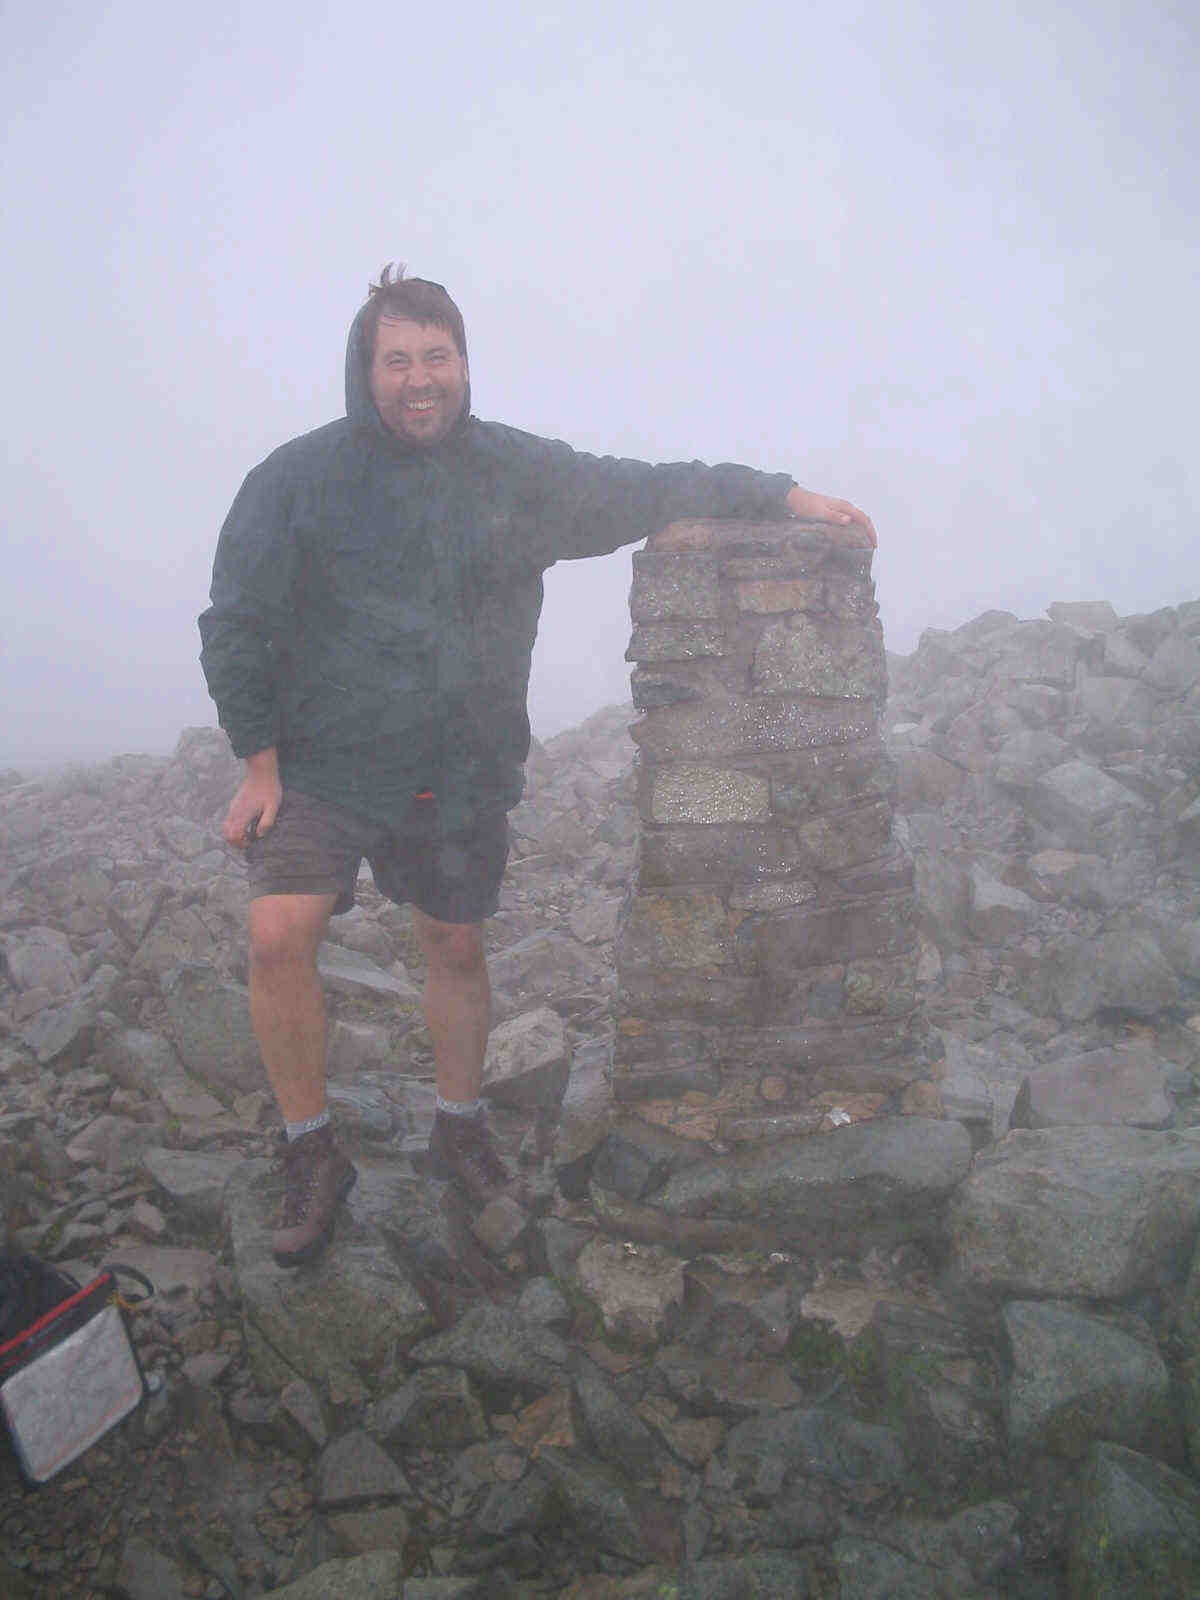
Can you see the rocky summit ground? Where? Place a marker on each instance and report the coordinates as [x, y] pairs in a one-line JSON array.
[[908, 1357]]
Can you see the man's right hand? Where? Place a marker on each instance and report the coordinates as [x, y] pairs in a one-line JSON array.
[[254, 807]]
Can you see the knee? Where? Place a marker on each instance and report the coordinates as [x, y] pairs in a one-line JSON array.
[[280, 938], [456, 951]]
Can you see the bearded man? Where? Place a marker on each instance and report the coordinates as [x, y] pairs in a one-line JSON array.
[[375, 601]]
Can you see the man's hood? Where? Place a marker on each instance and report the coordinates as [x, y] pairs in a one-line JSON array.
[[361, 408]]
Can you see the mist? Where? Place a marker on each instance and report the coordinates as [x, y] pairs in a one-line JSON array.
[[941, 261]]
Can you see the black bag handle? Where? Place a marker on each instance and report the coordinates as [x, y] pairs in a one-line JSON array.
[[118, 1269]]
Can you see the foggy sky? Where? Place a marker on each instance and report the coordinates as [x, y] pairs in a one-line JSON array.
[[939, 259]]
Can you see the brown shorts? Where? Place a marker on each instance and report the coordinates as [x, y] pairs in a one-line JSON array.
[[317, 848]]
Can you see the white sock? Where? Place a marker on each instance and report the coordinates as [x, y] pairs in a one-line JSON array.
[[297, 1130], [460, 1108]]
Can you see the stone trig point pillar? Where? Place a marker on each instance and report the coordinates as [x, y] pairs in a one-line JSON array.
[[767, 955]]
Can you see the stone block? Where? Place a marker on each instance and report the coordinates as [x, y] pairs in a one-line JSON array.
[[694, 996], [943, 889], [628, 1167], [926, 780], [813, 994], [635, 1290], [689, 793], [597, 1504], [1175, 665], [350, 972], [1038, 703], [40, 958], [1123, 657], [764, 596], [681, 928], [1103, 1088], [851, 602], [353, 1469], [528, 1061], [996, 912], [1024, 756], [650, 690], [1077, 1379], [891, 873], [1136, 1530], [594, 920], [812, 1048], [1076, 798], [803, 656], [796, 1440], [852, 1187], [658, 1037], [145, 1573], [362, 1577], [436, 1409], [826, 780], [208, 1019], [766, 725], [615, 1428], [654, 1079], [716, 854], [547, 963], [747, 541], [1113, 972], [1082, 880], [495, 1345], [768, 568], [902, 1080], [833, 841], [1037, 652], [1085, 1213], [380, 1531], [501, 1224], [882, 988], [773, 896], [676, 641], [116, 1144], [1111, 703], [813, 937], [585, 1114], [666, 586], [179, 935], [1088, 616], [356, 1047], [194, 1182], [62, 1036]]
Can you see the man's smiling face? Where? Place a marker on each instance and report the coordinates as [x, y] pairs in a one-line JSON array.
[[418, 379]]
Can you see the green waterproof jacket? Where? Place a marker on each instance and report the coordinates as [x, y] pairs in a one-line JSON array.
[[374, 604]]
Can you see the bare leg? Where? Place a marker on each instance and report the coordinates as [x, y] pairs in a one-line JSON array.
[[457, 1002], [287, 1004]]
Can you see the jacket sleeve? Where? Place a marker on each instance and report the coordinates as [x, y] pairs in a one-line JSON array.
[[253, 575], [590, 505]]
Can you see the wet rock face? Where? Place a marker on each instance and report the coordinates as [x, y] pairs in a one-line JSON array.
[[772, 902]]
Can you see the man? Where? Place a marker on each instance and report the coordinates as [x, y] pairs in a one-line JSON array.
[[375, 599]]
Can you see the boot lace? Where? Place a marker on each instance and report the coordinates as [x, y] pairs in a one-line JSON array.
[[300, 1169], [477, 1153]]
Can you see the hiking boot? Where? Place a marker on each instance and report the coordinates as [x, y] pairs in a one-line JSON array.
[[462, 1148], [317, 1178]]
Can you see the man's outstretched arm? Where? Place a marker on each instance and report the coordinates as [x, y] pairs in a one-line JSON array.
[[590, 504]]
